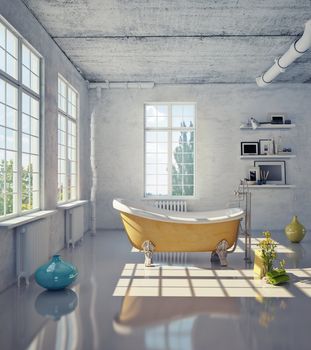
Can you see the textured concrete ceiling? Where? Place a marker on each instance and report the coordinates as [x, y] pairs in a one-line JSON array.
[[176, 41]]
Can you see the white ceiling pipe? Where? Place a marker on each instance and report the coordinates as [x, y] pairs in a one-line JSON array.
[[297, 49]]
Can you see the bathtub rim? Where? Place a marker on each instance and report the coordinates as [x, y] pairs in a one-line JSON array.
[[192, 218]]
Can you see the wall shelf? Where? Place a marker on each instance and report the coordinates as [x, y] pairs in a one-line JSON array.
[[269, 126], [271, 186], [272, 156]]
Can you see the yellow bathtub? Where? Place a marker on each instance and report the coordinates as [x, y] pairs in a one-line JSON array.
[[156, 230]]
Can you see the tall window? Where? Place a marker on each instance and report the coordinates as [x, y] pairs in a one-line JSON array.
[[67, 141], [19, 124], [169, 149]]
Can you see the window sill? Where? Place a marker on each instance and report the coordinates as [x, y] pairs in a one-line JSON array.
[[71, 205], [25, 219]]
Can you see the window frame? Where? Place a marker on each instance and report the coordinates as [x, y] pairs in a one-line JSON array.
[[39, 97], [75, 120], [170, 130]]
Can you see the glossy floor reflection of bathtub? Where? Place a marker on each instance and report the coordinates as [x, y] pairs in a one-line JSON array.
[[179, 304]]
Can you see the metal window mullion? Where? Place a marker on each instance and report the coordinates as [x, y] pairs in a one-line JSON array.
[[5, 167], [5, 51], [77, 147], [66, 161], [19, 132], [169, 146], [77, 160]]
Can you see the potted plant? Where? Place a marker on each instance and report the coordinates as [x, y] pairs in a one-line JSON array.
[[268, 251], [267, 248]]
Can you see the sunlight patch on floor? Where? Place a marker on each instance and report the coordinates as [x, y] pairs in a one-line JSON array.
[[181, 281]]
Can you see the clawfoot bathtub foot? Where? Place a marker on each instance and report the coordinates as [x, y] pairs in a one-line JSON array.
[[221, 250], [214, 257], [148, 248]]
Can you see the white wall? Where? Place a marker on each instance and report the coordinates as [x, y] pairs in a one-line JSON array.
[[220, 110]]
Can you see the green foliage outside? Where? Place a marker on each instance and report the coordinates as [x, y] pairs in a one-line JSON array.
[[7, 180], [183, 170]]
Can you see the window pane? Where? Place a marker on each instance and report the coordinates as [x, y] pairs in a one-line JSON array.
[[11, 118], [2, 59], [34, 145], [1, 202], [2, 114], [162, 111], [34, 126], [25, 123], [26, 162], [150, 111], [34, 163], [11, 95], [25, 143], [35, 64], [151, 122], [26, 103], [162, 180], [25, 56], [151, 190], [11, 66], [26, 76], [2, 91], [162, 122], [151, 136], [35, 181], [11, 43], [151, 147], [2, 35], [2, 137], [162, 190], [151, 158], [177, 122], [9, 204], [35, 199], [162, 169], [11, 160], [151, 169], [34, 108], [11, 139], [34, 83]]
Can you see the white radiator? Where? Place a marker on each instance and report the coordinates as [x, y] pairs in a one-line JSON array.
[[172, 205], [32, 248], [171, 257], [74, 225]]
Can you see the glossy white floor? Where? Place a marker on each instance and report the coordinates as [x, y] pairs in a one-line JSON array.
[[181, 303]]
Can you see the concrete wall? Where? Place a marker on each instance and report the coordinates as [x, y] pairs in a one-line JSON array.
[[220, 110], [16, 13]]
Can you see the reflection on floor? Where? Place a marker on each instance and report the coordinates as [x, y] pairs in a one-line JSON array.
[[179, 304]]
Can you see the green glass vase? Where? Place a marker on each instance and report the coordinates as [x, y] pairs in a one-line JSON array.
[[295, 231]]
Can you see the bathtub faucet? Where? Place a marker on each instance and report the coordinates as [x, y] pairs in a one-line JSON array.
[[243, 194]]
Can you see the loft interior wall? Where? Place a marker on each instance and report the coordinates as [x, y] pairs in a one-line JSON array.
[[16, 13], [220, 110]]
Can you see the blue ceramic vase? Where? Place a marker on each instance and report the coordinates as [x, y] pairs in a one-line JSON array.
[[56, 274]]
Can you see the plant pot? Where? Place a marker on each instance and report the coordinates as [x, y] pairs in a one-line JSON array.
[[56, 274], [295, 231]]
